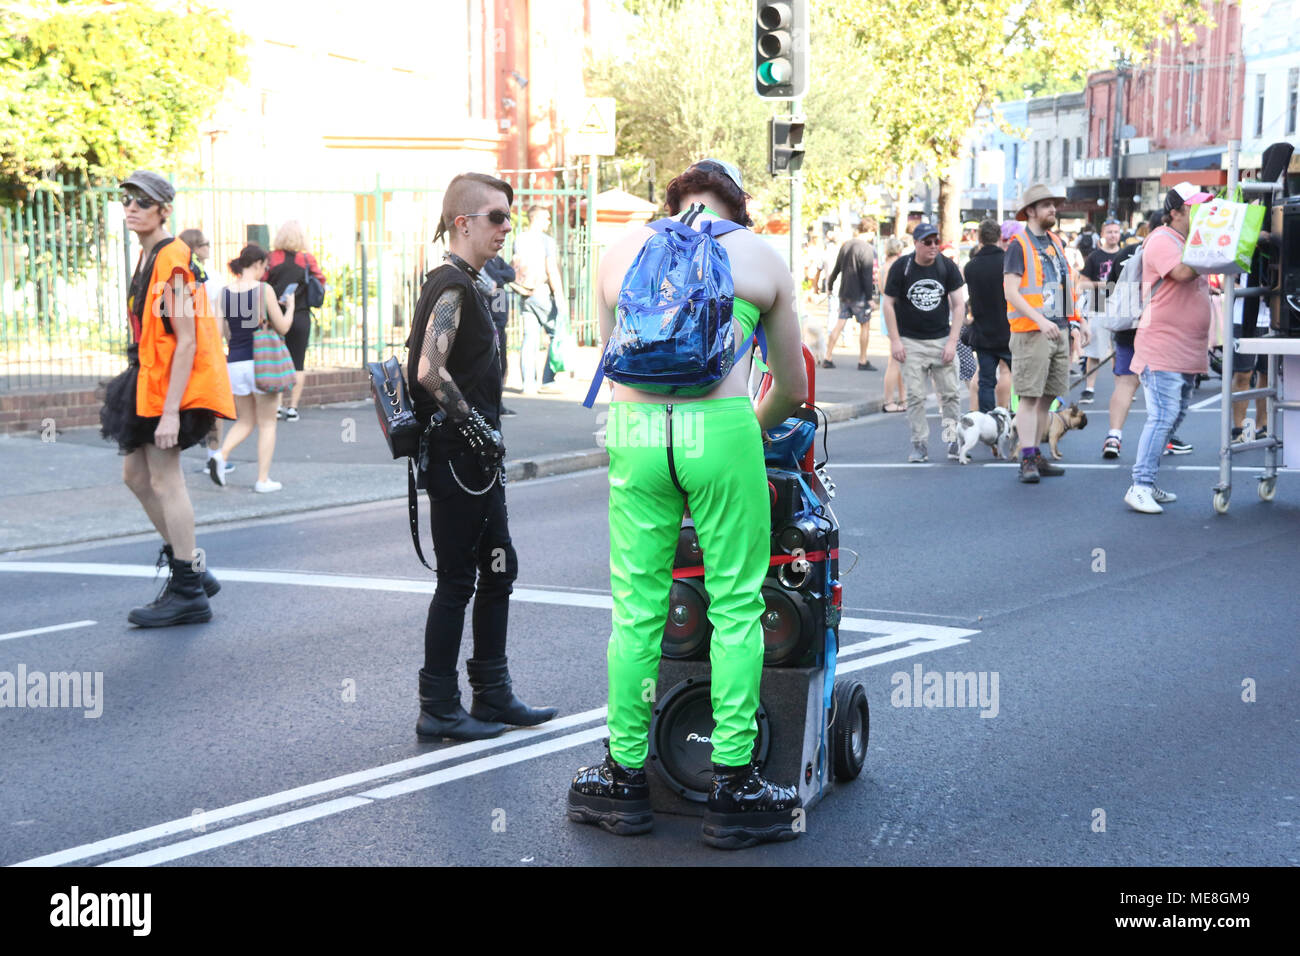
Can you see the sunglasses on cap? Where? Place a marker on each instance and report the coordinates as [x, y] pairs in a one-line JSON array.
[[141, 202], [496, 216]]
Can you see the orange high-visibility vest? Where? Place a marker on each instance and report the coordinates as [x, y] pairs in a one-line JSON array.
[[209, 383], [1032, 282]]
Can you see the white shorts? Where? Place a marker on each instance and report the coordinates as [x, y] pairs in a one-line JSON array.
[[1101, 345], [242, 381]]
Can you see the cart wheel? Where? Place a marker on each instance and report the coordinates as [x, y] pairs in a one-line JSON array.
[[1267, 488], [1221, 501], [851, 729]]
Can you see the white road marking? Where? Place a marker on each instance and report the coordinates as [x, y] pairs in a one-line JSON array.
[[1206, 402], [245, 831], [46, 630], [918, 639]]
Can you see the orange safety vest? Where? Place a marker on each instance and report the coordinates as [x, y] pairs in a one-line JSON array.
[[209, 383], [1032, 282]]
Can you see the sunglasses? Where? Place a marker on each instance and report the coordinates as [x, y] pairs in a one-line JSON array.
[[496, 216], [141, 202], [932, 241]]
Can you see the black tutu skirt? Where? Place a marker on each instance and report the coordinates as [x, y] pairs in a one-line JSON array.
[[118, 421]]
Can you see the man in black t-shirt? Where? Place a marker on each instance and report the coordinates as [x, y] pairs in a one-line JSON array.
[[922, 294], [854, 267], [1098, 277]]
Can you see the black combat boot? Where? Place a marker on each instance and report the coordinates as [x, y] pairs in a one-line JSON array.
[[495, 700], [745, 810], [441, 714], [210, 584], [613, 797], [181, 600]]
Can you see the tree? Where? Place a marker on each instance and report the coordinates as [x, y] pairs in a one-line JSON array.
[[97, 90], [685, 91], [942, 60]]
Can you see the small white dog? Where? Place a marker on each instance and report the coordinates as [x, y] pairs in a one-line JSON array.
[[997, 429]]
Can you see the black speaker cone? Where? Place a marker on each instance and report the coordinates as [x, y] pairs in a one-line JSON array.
[[788, 625], [681, 738], [687, 632]]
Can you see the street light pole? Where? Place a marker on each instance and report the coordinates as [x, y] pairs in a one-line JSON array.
[[1121, 73]]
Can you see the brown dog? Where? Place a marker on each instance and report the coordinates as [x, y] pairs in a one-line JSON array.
[[1058, 423]]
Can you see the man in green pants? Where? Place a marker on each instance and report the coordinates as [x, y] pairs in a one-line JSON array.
[[668, 452]]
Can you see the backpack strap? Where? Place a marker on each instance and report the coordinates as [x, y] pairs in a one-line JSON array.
[[413, 511]]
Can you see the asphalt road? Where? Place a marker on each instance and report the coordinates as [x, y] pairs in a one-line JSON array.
[[286, 724]]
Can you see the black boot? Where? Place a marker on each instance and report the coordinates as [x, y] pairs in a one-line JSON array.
[[210, 584], [613, 797], [745, 810], [181, 601], [441, 714], [494, 699]]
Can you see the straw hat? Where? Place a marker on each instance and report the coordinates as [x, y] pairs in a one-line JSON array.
[[1035, 193]]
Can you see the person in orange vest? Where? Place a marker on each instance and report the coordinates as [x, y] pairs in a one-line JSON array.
[[1040, 309], [173, 389]]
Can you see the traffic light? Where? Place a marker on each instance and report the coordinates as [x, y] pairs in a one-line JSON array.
[[784, 144], [781, 49]]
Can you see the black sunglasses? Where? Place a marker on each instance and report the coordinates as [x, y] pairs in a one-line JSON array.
[[142, 202], [496, 216], [932, 241]]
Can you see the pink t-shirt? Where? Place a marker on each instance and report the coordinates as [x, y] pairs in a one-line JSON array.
[[1174, 333]]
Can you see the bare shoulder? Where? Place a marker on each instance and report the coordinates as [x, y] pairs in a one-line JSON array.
[[617, 259]]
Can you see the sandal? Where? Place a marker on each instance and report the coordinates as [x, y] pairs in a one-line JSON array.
[[894, 407]]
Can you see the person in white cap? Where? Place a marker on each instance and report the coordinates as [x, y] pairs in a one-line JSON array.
[[1169, 351]]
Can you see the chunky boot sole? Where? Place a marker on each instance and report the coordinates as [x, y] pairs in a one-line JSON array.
[[210, 584], [189, 617], [619, 817], [738, 831]]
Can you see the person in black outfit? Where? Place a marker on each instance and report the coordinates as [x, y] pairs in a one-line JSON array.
[[990, 331], [496, 275], [454, 370], [854, 267]]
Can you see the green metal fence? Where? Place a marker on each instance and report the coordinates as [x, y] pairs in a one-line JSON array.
[[66, 259]]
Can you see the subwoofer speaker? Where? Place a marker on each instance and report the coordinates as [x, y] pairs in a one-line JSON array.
[[793, 744]]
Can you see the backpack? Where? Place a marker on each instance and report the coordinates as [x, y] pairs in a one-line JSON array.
[[314, 288], [672, 332], [1126, 303]]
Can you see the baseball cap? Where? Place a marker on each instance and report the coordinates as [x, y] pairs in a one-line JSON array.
[[722, 166], [924, 230], [151, 184], [1184, 194]]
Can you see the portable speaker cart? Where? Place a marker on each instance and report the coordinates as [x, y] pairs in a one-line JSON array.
[[812, 728]]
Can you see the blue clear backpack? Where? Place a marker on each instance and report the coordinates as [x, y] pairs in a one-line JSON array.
[[672, 327]]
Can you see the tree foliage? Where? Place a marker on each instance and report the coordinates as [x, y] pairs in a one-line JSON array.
[[99, 90]]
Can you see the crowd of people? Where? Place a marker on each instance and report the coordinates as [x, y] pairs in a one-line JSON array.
[[1013, 307]]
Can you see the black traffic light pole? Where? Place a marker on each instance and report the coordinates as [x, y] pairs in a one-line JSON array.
[[796, 201]]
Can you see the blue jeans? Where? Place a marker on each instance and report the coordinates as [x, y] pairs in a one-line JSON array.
[[1167, 395], [988, 383], [537, 314]]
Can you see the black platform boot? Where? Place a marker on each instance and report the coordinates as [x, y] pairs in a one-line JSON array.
[[441, 714], [613, 797], [181, 601], [210, 584], [495, 700], [745, 810]]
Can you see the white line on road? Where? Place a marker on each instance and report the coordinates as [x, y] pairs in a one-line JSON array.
[[245, 831], [45, 630], [1206, 402]]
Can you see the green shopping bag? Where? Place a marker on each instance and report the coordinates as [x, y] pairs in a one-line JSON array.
[[561, 339], [1222, 236]]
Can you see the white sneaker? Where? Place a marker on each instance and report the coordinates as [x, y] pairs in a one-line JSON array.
[[264, 487], [1163, 497], [217, 468], [1140, 498]]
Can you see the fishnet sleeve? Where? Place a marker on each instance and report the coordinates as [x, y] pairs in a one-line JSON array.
[[436, 351]]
